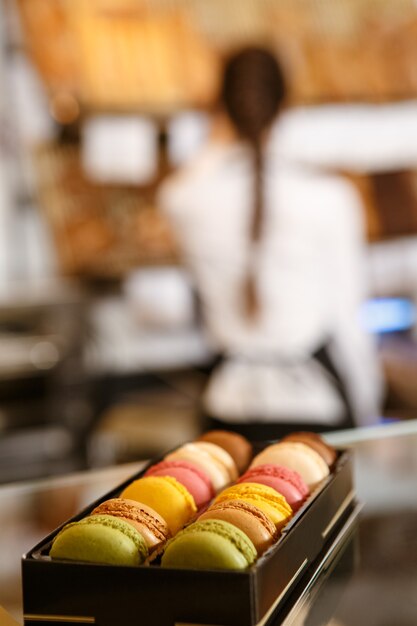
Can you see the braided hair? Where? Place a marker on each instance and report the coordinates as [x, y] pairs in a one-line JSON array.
[[253, 89]]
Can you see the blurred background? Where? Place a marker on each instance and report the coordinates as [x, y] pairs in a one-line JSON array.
[[102, 352]]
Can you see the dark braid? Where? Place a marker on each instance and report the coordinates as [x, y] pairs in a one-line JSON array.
[[253, 89]]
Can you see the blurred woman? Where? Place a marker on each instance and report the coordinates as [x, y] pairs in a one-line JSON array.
[[276, 251]]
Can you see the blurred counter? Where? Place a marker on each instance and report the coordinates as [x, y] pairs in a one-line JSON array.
[[373, 581]]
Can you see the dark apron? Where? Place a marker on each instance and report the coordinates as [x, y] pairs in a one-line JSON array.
[[270, 431]]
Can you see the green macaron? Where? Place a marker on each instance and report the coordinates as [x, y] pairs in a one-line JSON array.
[[100, 539], [210, 544]]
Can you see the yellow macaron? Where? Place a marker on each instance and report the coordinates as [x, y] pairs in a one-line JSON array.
[[166, 496], [272, 503]]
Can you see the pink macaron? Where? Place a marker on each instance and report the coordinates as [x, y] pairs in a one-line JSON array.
[[189, 475], [284, 480]]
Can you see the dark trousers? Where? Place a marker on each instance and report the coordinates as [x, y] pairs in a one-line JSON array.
[[270, 431]]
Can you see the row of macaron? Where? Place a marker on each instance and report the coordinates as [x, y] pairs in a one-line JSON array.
[[247, 518], [147, 517], [135, 527]]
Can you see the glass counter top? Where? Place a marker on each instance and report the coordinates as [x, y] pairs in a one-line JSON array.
[[372, 582]]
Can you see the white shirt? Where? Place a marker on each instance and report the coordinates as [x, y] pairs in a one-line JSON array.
[[310, 282]]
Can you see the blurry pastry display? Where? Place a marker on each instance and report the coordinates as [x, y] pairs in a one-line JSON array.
[[389, 200], [48, 39], [120, 54], [160, 55], [348, 50], [103, 231], [152, 235], [157, 57], [136, 55], [395, 195], [100, 231]]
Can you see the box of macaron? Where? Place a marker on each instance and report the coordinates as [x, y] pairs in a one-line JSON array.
[[218, 531]]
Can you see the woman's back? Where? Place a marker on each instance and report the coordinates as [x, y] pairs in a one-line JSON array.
[[296, 264], [276, 251]]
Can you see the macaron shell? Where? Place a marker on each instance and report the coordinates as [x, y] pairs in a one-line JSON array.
[[277, 517], [265, 498], [239, 448], [248, 518], [290, 493], [328, 453], [100, 539], [166, 496], [152, 541], [296, 456], [279, 471], [210, 544], [287, 482], [221, 456], [146, 520], [192, 477], [218, 474]]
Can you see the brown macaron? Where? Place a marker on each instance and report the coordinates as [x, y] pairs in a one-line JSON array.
[[146, 520], [239, 448], [248, 518], [314, 441]]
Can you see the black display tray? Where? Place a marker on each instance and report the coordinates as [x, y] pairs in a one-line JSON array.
[[315, 598], [63, 592]]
